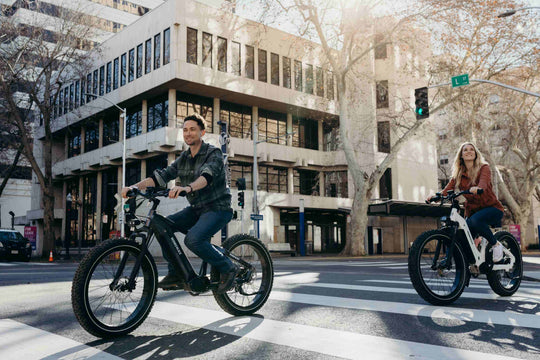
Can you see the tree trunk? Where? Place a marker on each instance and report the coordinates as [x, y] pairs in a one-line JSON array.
[[48, 222]]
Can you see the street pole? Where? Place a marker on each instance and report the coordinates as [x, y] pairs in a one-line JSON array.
[[255, 177], [302, 229], [493, 83], [512, 12]]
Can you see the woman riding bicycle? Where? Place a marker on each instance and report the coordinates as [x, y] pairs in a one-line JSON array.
[[471, 172]]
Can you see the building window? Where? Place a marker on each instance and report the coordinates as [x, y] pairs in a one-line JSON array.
[[158, 109], [241, 170], [306, 133], [442, 134], [111, 128], [274, 69], [331, 135], [71, 97], [207, 49], [306, 182], [382, 94], [102, 81], [123, 72], [74, 143], [273, 179], [309, 79], [131, 65], [320, 82], [61, 102], [134, 121], [77, 91], [330, 85], [89, 201], [83, 90], [385, 185], [222, 54], [139, 60], [108, 82], [236, 58], [91, 137], [250, 62], [272, 127], [166, 46], [157, 51], [238, 118], [380, 50], [336, 184], [115, 74], [286, 72], [191, 50], [263, 69], [66, 100], [297, 75], [95, 83], [443, 159], [133, 172], [187, 104], [89, 87], [148, 56], [383, 136], [156, 163]]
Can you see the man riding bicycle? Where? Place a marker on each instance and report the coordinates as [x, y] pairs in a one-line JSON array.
[[200, 173]]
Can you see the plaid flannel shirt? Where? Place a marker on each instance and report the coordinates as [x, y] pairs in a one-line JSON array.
[[186, 169]]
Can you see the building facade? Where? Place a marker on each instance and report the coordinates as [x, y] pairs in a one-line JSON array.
[[184, 56]]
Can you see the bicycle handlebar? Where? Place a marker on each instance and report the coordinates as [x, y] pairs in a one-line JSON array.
[[451, 195], [151, 193]]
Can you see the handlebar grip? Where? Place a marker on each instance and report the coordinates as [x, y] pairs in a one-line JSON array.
[[132, 192], [479, 191], [182, 193]]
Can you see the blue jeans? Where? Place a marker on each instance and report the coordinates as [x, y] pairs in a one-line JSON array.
[[199, 229], [479, 223]]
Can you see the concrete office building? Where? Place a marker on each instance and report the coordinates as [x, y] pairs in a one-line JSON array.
[[184, 56]]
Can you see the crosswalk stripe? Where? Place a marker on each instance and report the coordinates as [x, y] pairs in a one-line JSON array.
[[6, 264], [20, 341], [448, 312], [310, 338]]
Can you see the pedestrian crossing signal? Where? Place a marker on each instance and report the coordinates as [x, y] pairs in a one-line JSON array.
[[421, 102]]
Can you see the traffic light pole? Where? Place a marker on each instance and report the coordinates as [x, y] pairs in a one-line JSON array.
[[493, 83]]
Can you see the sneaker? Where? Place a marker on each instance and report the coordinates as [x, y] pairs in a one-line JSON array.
[[497, 251], [171, 282], [226, 280]]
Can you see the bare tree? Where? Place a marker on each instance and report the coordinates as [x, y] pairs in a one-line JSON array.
[[39, 52]]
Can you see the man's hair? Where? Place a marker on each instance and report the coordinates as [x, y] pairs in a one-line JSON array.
[[197, 118]]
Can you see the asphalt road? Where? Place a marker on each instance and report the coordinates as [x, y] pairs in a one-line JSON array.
[[318, 309]]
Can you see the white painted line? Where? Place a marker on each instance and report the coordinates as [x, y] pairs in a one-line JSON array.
[[434, 312], [531, 259], [310, 338], [6, 264], [395, 267], [19, 341]]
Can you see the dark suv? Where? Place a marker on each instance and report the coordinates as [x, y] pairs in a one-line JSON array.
[[14, 245]]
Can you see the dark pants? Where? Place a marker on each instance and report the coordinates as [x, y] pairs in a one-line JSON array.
[[479, 223], [199, 229]]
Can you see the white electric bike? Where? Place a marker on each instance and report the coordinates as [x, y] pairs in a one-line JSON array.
[[442, 261]]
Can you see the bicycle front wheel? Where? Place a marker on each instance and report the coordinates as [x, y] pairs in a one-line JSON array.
[[253, 282], [103, 301], [434, 282]]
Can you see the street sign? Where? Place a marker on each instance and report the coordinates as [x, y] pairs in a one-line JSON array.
[[460, 80], [256, 217]]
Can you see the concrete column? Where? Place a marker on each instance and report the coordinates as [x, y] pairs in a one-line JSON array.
[[143, 169], [216, 115], [320, 135], [172, 108], [321, 183], [80, 215], [99, 188], [83, 145], [144, 116], [100, 133], [289, 129], [290, 181]]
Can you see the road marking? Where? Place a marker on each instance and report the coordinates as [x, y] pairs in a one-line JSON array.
[[310, 338], [19, 341], [531, 259], [6, 264], [434, 312]]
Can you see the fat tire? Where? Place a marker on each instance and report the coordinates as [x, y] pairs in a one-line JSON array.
[[223, 300], [494, 276], [415, 272], [82, 277]]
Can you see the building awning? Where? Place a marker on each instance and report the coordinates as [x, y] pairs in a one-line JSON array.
[[407, 208]]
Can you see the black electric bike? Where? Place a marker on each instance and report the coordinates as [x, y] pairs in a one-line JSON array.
[[115, 285], [442, 261]]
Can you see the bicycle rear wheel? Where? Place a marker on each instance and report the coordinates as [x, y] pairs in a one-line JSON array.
[[255, 279], [106, 308], [506, 283], [436, 284]]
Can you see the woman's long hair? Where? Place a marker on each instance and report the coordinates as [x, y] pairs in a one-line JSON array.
[[458, 168]]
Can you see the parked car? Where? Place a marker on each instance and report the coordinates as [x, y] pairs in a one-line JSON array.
[[14, 245]]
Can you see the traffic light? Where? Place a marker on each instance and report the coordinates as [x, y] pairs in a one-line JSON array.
[[241, 183], [241, 199], [421, 102]]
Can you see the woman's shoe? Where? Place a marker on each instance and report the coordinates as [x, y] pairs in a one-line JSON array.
[[497, 252]]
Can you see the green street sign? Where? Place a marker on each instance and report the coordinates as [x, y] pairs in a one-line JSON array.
[[460, 80]]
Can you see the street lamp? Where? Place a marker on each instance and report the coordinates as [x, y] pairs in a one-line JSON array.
[[512, 12], [124, 116]]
